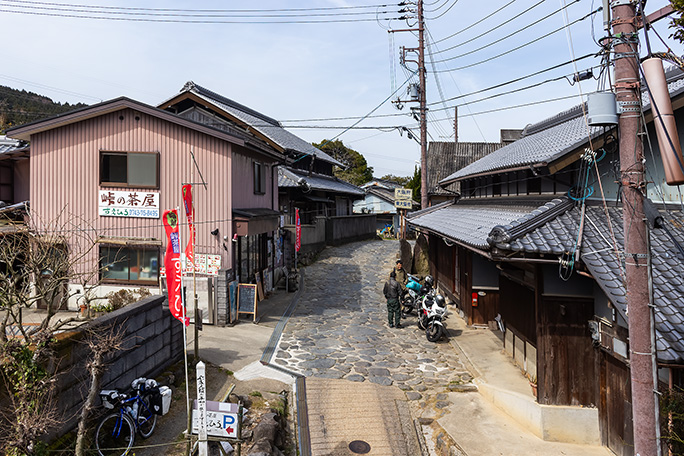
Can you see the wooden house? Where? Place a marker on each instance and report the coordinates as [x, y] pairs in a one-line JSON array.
[[379, 199], [118, 165], [535, 241], [305, 176]]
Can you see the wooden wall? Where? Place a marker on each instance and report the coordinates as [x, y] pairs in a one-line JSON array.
[[566, 372], [517, 306], [615, 408]]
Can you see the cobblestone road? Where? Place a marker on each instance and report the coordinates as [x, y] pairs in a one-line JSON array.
[[339, 329]]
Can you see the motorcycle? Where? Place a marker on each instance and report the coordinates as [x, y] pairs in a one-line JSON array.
[[415, 292], [433, 312]]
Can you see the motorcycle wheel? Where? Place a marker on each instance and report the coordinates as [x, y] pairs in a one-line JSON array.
[[407, 306], [433, 332], [421, 322]]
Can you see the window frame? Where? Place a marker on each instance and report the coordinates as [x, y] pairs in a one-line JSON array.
[[126, 184], [131, 248], [259, 177]]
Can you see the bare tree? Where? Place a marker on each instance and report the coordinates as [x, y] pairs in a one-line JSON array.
[[38, 261], [102, 343]]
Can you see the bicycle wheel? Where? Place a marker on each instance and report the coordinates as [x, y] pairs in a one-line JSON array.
[[115, 435], [147, 419]]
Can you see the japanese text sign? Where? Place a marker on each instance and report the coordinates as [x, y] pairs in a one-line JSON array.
[[403, 194], [137, 204]]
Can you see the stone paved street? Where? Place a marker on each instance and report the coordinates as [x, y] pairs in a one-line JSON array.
[[339, 329]]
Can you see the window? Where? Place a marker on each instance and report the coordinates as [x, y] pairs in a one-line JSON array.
[[259, 178], [128, 264], [129, 169]]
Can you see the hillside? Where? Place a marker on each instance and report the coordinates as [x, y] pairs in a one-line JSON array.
[[19, 107]]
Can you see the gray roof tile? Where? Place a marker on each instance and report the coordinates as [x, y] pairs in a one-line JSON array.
[[289, 177], [479, 226], [267, 126], [551, 138], [598, 255], [470, 224]]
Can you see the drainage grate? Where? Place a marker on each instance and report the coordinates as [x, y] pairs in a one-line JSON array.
[[359, 447]]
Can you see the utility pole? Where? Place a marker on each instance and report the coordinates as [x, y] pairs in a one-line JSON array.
[[422, 99], [636, 255], [423, 109]]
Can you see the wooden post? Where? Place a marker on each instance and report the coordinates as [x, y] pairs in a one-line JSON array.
[[636, 256]]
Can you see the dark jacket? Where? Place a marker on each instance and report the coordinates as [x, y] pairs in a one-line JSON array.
[[392, 289]]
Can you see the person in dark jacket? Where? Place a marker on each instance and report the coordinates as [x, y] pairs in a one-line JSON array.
[[392, 291]]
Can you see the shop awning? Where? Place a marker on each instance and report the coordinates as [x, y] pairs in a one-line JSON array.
[[248, 222]]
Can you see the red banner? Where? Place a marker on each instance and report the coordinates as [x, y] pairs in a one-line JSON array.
[[172, 264], [190, 214], [298, 232]]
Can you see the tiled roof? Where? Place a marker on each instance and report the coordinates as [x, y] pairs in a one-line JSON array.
[[551, 138], [288, 177], [542, 147], [429, 209], [265, 125], [470, 224], [598, 254], [537, 231], [381, 183], [385, 194], [8, 145], [445, 158]]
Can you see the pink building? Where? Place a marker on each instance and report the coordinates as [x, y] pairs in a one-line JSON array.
[[120, 164]]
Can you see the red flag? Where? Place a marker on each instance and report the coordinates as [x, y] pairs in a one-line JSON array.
[[190, 214], [172, 264], [298, 232]]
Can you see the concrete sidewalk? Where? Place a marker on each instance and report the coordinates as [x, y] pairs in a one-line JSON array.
[[503, 417]]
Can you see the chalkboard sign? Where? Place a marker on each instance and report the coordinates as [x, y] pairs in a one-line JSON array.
[[247, 299], [232, 293]]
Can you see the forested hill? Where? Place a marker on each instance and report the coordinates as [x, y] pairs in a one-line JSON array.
[[19, 107]]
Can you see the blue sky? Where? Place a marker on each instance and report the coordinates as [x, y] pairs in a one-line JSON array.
[[298, 72]]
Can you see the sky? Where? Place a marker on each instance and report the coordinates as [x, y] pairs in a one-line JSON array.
[[307, 62]]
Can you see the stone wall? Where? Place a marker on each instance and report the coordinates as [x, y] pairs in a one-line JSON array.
[[153, 341]]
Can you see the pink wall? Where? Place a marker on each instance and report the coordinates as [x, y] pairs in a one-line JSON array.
[[65, 176], [243, 182]]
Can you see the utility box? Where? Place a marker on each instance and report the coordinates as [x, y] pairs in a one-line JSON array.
[[602, 109]]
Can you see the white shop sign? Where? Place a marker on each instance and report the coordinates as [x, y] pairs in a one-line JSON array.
[[132, 203], [222, 419]]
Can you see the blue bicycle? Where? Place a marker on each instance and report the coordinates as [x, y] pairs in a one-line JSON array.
[[115, 434]]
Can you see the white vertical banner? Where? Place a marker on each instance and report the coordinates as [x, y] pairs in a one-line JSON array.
[[202, 408]]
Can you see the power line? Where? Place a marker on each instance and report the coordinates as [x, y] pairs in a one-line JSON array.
[[225, 11], [434, 70], [188, 21], [521, 46], [449, 9], [477, 22], [518, 80], [438, 8], [521, 78], [498, 27]]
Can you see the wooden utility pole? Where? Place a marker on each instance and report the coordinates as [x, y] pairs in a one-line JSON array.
[[636, 255], [423, 109]]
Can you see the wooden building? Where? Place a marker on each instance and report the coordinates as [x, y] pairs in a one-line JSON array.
[[534, 244], [120, 164]]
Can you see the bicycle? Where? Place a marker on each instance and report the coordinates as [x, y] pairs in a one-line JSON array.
[[115, 434]]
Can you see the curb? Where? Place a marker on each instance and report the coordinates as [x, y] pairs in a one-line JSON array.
[[302, 415]]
